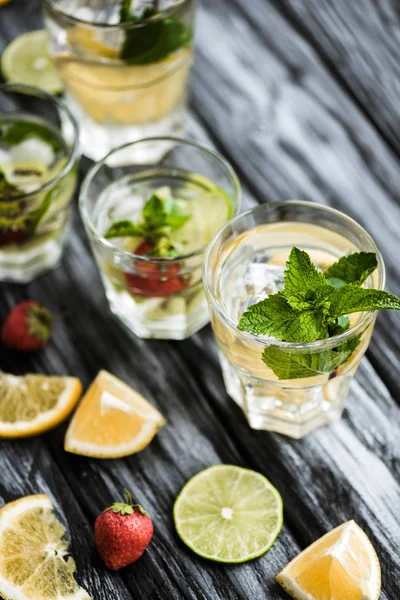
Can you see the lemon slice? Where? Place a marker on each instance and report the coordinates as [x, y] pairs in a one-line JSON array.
[[31, 404], [27, 60], [341, 565], [33, 555], [228, 514], [112, 420]]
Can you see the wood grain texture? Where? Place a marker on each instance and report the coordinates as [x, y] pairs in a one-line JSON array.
[[266, 93]]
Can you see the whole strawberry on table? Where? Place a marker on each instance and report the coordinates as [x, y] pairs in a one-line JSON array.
[[122, 533]]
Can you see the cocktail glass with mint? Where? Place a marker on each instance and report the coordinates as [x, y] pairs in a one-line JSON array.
[[149, 223], [293, 290], [39, 155], [125, 66]]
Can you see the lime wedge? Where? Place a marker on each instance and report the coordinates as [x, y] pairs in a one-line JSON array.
[[208, 211], [228, 514], [27, 60]]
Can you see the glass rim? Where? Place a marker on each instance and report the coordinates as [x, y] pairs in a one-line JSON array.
[[30, 90], [83, 194], [123, 25], [331, 342]]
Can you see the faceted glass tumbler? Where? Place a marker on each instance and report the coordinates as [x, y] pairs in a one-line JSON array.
[[244, 264], [155, 297], [33, 221]]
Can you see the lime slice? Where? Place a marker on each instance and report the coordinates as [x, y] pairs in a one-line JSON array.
[[27, 60], [209, 211], [228, 514]]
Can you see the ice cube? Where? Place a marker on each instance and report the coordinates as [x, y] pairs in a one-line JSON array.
[[263, 279], [32, 150]]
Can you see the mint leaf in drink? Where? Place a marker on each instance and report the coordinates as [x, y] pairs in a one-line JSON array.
[[354, 268], [350, 299], [275, 317], [289, 364], [125, 229], [339, 326], [154, 39], [161, 216], [301, 275], [14, 133], [159, 212], [314, 306]]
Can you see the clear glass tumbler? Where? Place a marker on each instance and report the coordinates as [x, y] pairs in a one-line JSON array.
[[158, 296], [39, 154], [125, 73], [243, 265]]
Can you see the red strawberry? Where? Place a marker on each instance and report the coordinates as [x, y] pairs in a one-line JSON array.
[[27, 327], [122, 533], [154, 280], [12, 236]]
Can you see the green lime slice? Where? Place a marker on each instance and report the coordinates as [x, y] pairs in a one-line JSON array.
[[228, 514], [208, 211], [27, 60]]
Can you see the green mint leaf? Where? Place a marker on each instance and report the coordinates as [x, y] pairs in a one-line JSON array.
[[125, 11], [290, 364], [154, 40], [350, 299], [339, 325], [12, 134], [354, 268], [275, 317], [163, 214], [125, 229], [301, 275]]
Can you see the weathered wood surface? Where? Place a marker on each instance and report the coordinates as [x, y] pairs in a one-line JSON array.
[[301, 96]]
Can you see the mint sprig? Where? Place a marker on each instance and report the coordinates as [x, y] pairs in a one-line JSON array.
[[161, 216], [314, 306], [14, 133], [155, 39]]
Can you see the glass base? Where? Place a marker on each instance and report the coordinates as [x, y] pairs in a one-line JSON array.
[[97, 140], [148, 320], [293, 411], [22, 264]]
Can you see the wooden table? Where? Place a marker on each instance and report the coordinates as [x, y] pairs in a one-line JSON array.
[[302, 96]]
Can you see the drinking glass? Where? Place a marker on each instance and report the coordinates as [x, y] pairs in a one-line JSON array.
[[125, 76], [243, 265], [158, 297], [39, 154]]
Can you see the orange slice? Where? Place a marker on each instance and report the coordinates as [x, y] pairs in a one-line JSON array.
[[342, 565], [112, 420], [32, 404]]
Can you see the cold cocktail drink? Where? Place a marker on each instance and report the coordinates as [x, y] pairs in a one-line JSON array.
[[290, 386], [149, 224], [125, 66]]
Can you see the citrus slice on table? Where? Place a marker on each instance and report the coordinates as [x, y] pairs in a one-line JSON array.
[[228, 514], [112, 420], [32, 404], [341, 565], [33, 555], [27, 60]]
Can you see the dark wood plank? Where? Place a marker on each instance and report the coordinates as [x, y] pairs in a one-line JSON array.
[[264, 97], [359, 41]]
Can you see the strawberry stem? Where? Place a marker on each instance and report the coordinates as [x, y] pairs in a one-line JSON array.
[[128, 496]]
